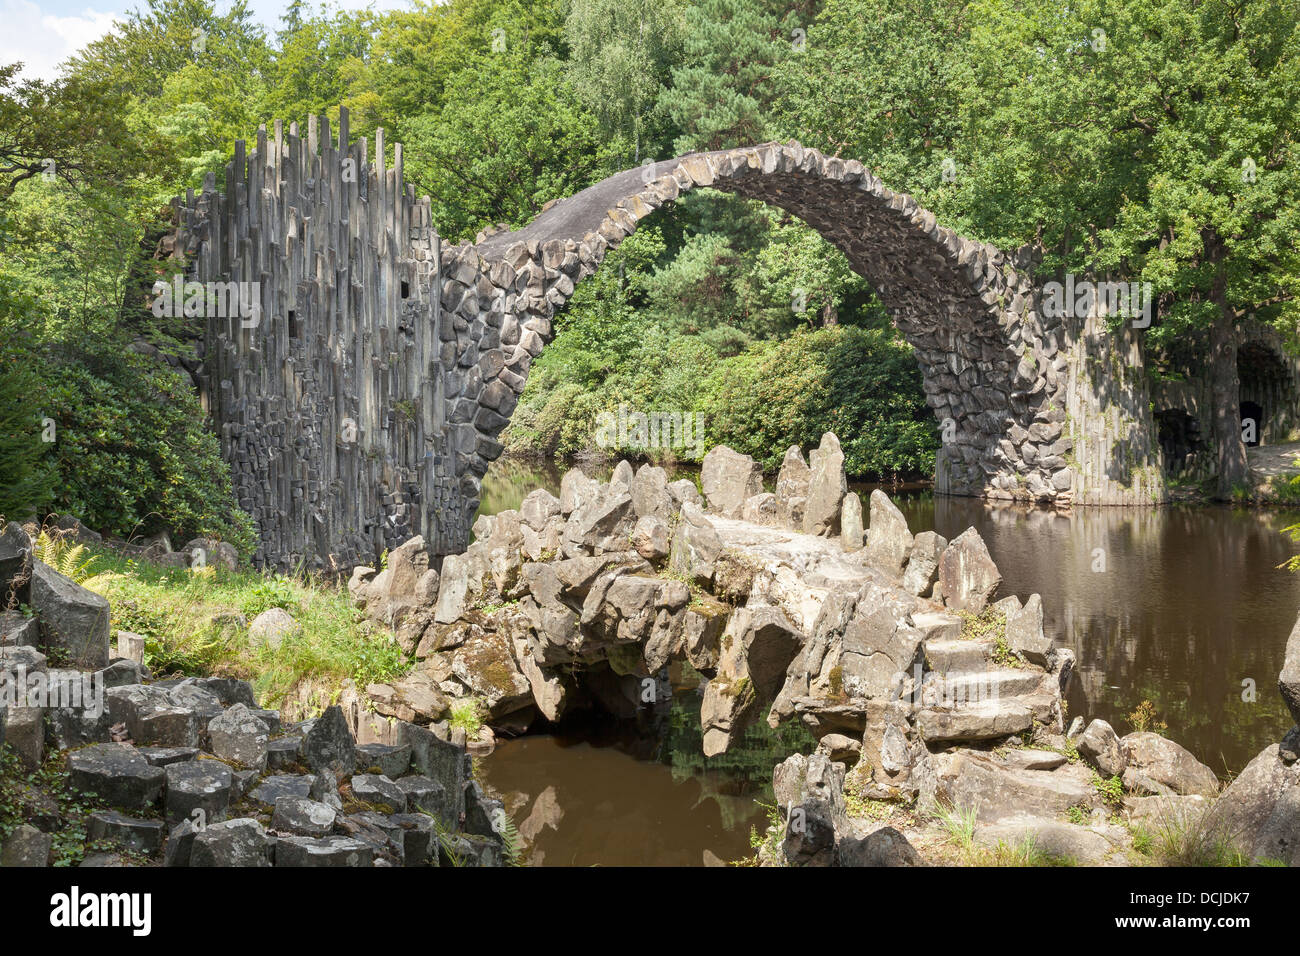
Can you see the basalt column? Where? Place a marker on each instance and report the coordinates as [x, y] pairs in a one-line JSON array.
[[327, 393]]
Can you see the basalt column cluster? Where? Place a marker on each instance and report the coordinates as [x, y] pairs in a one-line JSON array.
[[327, 392]]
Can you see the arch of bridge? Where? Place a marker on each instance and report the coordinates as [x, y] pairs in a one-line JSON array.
[[990, 364]]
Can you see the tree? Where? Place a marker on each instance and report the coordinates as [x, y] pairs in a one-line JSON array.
[[621, 52], [324, 63], [68, 129], [423, 48], [26, 482], [511, 136], [878, 81], [720, 92], [1154, 140]]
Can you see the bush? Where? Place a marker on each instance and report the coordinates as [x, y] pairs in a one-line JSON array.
[[134, 451], [861, 384], [26, 478]]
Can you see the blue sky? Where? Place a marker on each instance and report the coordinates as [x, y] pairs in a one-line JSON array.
[[42, 33]]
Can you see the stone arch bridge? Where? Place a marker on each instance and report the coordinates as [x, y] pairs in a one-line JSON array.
[[360, 399]]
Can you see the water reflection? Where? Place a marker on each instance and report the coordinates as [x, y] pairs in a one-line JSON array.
[[597, 792]]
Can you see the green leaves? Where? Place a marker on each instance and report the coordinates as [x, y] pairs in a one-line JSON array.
[[134, 452], [862, 384], [507, 140]]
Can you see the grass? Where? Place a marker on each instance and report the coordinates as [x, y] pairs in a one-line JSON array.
[[195, 622], [1186, 836], [958, 824], [467, 714]]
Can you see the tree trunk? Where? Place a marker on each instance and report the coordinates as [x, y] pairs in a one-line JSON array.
[[1225, 389]]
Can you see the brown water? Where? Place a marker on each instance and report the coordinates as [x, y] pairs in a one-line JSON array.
[[1181, 606]]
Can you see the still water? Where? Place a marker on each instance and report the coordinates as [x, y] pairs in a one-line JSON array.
[[1181, 606]]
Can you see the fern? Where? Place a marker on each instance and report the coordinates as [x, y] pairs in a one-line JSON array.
[[511, 843], [53, 550]]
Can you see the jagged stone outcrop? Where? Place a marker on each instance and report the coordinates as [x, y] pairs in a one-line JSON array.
[[782, 622]]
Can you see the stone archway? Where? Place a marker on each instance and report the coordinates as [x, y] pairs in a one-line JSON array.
[[987, 372], [1268, 380]]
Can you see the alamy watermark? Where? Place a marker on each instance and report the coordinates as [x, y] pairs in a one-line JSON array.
[[230, 300], [654, 429], [20, 688], [1082, 298]]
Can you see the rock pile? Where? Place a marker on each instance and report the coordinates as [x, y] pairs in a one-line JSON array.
[[190, 772], [780, 598]]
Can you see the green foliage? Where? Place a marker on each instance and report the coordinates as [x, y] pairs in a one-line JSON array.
[[196, 622], [26, 479], [767, 844], [507, 140], [468, 714], [134, 453], [1144, 719], [620, 55], [1110, 789], [511, 843], [45, 793], [719, 91], [71, 561], [70, 129], [861, 384], [268, 592]]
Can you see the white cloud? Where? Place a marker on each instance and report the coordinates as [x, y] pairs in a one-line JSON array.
[[43, 41]]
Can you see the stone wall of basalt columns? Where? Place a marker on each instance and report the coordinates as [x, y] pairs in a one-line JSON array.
[[327, 398]]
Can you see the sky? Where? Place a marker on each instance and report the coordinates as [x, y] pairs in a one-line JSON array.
[[43, 33]]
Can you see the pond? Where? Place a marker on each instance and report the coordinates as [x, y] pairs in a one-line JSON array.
[[1183, 606]]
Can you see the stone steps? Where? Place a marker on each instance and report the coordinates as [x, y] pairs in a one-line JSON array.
[[947, 656], [996, 683]]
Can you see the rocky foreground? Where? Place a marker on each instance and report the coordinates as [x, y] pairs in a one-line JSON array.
[[937, 704], [927, 691], [191, 772]]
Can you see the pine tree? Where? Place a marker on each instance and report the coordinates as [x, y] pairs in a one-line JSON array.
[[721, 93]]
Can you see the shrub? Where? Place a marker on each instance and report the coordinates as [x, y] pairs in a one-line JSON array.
[[134, 450], [861, 384]]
